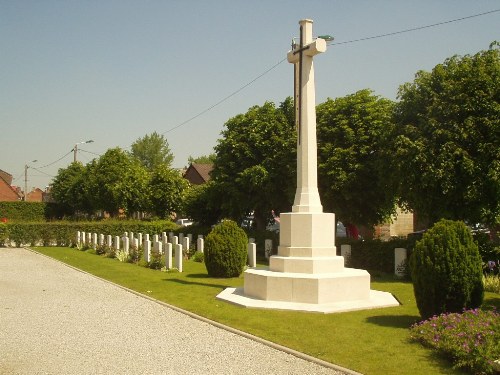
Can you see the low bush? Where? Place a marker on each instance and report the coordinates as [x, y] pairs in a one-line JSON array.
[[470, 339], [446, 270], [491, 283], [226, 250]]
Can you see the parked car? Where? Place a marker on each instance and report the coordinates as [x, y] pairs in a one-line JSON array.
[[184, 222]]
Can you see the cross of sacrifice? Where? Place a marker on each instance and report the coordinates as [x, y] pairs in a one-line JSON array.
[[307, 195]]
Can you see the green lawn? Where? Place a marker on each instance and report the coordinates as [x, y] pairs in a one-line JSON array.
[[371, 341]]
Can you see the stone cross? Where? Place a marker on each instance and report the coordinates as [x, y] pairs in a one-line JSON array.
[[307, 195]]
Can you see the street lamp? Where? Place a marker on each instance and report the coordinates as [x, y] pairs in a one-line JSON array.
[[26, 166], [75, 150]]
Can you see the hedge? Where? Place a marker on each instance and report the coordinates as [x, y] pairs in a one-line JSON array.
[[63, 233], [24, 211]]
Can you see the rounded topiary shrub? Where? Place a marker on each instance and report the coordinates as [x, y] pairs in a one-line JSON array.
[[226, 250], [446, 270]]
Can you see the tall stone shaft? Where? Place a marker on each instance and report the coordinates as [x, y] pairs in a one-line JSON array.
[[307, 195]]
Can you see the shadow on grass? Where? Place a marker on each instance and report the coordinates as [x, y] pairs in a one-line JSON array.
[[395, 321], [492, 302], [187, 282]]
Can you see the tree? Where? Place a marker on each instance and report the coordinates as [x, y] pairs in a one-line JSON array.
[[354, 179], [152, 150], [255, 163], [68, 189], [447, 148], [201, 203], [204, 159], [167, 188], [117, 181]]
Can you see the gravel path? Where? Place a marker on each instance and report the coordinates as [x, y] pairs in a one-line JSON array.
[[57, 320]]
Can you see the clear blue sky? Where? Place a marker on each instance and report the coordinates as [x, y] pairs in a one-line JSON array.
[[114, 71]]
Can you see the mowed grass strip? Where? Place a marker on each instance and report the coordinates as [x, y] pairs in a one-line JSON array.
[[370, 341]]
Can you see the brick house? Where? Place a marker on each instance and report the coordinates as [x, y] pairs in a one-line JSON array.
[[7, 192], [198, 174]]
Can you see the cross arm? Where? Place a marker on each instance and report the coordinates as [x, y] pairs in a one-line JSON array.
[[318, 46]]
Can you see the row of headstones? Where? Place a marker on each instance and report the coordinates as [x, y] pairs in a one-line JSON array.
[[161, 245], [400, 259]]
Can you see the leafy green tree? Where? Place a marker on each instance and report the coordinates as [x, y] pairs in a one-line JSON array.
[[255, 164], [117, 181], [68, 189], [201, 203], [354, 179], [152, 150], [447, 151], [167, 188], [204, 159]]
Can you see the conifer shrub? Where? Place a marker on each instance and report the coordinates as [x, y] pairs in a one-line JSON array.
[[226, 250], [446, 270]]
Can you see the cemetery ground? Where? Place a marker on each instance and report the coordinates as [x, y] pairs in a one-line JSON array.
[[370, 341]]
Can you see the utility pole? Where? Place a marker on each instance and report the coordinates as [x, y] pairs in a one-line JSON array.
[[75, 149], [26, 166]]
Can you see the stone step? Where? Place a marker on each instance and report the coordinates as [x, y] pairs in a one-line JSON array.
[[347, 285], [307, 265]]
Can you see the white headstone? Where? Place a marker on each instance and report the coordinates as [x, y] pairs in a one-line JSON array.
[[89, 238], [185, 243], [345, 251], [200, 236], [178, 257], [400, 261], [168, 255], [158, 248], [200, 245], [147, 251], [190, 236], [155, 238], [252, 255], [139, 237], [268, 248], [109, 241], [126, 244], [175, 240], [101, 239], [94, 241], [84, 238], [117, 243], [78, 238]]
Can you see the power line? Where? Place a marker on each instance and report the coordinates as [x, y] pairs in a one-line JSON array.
[[48, 165], [42, 172], [331, 44], [413, 29]]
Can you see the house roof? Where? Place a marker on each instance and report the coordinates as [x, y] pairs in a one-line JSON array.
[[7, 192], [198, 173]]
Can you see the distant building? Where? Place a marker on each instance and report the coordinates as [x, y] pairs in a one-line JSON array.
[[7, 192], [400, 226], [198, 174], [35, 195]]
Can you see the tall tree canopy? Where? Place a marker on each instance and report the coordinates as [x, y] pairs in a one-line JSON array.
[[152, 150], [354, 179], [68, 189], [117, 181], [167, 188], [447, 150], [255, 163], [204, 159]]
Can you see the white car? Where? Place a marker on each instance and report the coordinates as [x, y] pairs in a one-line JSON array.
[[184, 222]]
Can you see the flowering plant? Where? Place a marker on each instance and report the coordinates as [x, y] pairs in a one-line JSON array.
[[470, 339]]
